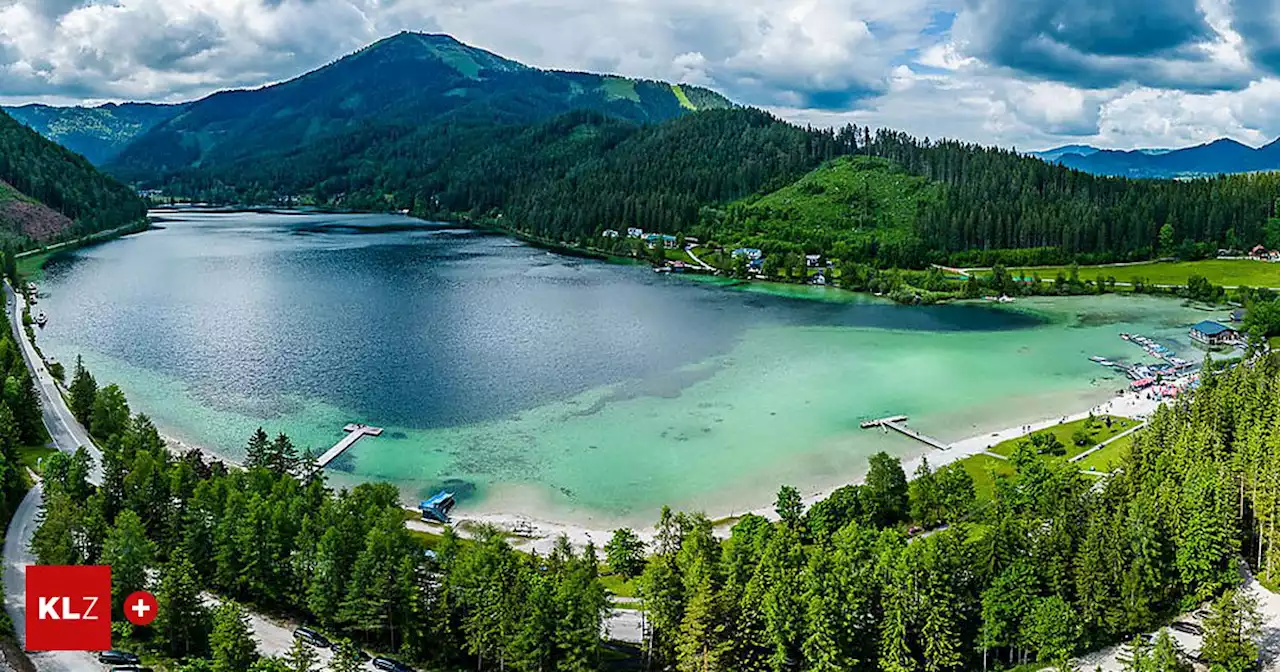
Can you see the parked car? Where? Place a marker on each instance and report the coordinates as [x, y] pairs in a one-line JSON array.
[[1188, 628], [390, 665], [312, 637], [117, 657]]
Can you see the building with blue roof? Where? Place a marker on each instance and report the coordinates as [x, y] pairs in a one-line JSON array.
[[1213, 333], [438, 507]]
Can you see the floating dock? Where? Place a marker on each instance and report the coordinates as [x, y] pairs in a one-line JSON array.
[[355, 432], [895, 423]]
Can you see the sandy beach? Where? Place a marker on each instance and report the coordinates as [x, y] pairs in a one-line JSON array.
[[533, 534]]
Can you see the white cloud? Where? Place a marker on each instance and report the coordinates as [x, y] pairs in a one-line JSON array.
[[1029, 73]]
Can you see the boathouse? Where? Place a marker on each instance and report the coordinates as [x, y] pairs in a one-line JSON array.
[[438, 507], [1213, 333]]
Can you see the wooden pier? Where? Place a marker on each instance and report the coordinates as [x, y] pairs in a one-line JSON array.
[[896, 423], [876, 423], [355, 432]]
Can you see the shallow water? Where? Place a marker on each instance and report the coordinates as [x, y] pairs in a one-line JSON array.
[[563, 387]]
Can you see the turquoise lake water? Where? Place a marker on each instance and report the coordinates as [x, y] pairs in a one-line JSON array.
[[532, 382]]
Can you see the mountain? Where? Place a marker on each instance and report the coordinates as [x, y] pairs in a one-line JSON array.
[[48, 192], [1058, 152], [1223, 156], [403, 82], [97, 133]]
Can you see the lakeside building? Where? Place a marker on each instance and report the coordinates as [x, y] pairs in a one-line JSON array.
[[1238, 315], [1213, 333], [668, 242], [609, 233], [633, 232], [812, 260], [438, 507], [750, 253]]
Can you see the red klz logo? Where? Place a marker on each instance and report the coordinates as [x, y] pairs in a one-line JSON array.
[[68, 608]]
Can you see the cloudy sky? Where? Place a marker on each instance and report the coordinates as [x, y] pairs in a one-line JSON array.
[[1028, 73]]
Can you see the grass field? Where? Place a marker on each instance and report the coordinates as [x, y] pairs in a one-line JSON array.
[[1098, 434], [617, 586], [1107, 458], [983, 469], [1225, 272]]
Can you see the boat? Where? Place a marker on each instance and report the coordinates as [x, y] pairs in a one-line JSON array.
[[1097, 359], [42, 319]]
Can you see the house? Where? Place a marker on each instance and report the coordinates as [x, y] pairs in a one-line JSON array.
[[668, 242], [609, 233], [751, 253], [1238, 315], [1213, 333], [812, 260], [633, 232], [438, 507], [756, 265]]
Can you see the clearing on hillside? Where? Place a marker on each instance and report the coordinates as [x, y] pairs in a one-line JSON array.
[[851, 199]]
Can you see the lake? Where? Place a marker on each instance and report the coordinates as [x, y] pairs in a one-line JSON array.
[[564, 388]]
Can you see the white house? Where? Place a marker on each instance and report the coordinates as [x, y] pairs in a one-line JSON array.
[[609, 233], [633, 232]]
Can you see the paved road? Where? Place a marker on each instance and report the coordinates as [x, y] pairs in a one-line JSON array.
[[17, 556], [67, 435], [66, 432]]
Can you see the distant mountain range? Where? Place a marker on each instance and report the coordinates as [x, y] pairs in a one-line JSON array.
[[1218, 157], [97, 133], [404, 81]]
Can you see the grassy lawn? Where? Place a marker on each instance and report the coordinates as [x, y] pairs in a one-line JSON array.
[[616, 585], [1226, 272], [983, 469], [679, 255], [30, 456], [32, 267], [1107, 458], [1098, 434]]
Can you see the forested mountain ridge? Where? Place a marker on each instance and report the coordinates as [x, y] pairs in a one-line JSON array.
[[403, 82], [48, 192], [97, 133], [570, 177]]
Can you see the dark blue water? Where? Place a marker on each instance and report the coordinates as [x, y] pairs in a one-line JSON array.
[[416, 324]]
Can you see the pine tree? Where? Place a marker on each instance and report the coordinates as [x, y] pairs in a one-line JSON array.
[[257, 453], [1231, 631], [182, 620], [625, 553], [82, 392], [130, 554], [232, 645], [301, 658], [110, 412], [282, 456]]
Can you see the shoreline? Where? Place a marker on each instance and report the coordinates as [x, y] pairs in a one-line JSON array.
[[539, 533], [535, 534]]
